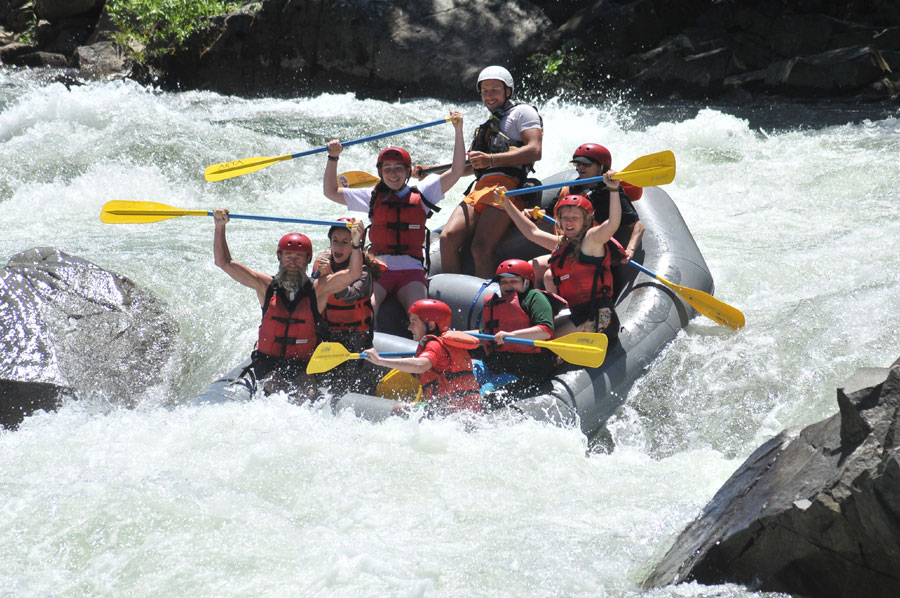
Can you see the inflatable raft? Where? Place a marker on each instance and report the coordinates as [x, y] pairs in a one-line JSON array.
[[651, 316]]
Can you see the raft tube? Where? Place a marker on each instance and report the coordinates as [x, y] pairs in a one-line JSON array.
[[651, 315]]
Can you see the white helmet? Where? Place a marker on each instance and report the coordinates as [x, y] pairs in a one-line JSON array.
[[494, 72]]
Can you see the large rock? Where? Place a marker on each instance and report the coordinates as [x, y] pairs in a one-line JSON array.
[[813, 512], [53, 10], [71, 328], [401, 47]]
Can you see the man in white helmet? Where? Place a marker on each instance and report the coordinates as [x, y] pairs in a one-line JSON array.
[[503, 152]]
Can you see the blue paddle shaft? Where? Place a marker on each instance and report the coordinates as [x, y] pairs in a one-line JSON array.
[[391, 354], [588, 181], [508, 339], [372, 137], [279, 219]]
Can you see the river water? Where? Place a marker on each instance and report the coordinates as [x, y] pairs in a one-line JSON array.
[[794, 211]]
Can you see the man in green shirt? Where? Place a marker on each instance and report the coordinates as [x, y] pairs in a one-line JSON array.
[[519, 311]]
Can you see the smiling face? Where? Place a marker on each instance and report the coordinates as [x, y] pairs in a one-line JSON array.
[[494, 94], [571, 220], [394, 174], [294, 261], [340, 245]]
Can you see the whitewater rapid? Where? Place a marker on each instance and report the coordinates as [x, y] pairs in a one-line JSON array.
[[796, 223]]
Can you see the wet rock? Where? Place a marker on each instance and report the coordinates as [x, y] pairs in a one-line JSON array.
[[812, 512], [71, 328], [102, 60], [402, 47]]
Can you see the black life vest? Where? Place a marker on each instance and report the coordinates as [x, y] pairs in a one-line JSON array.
[[489, 139]]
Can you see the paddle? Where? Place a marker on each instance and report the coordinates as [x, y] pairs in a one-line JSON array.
[[142, 212], [330, 355], [646, 171], [235, 168], [587, 349], [704, 303]]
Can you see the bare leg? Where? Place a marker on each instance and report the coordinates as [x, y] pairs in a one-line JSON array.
[[491, 227], [541, 265], [548, 281], [410, 293], [458, 228], [378, 296], [567, 327]]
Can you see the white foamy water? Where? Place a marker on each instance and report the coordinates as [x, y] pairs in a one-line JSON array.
[[265, 498]]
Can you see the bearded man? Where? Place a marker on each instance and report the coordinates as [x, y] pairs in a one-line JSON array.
[[291, 326]]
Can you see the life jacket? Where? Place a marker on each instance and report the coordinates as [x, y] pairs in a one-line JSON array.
[[341, 316], [582, 279], [457, 384], [289, 328], [398, 223], [489, 139], [507, 313]]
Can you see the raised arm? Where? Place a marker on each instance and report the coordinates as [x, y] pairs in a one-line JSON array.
[[599, 235], [458, 167], [335, 282], [329, 179], [258, 281], [526, 225]]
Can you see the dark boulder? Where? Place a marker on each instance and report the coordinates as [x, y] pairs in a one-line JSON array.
[[71, 328], [812, 512], [406, 47]]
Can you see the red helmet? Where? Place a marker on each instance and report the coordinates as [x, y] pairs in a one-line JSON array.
[[579, 201], [594, 152], [394, 153], [516, 268], [295, 242], [434, 312]]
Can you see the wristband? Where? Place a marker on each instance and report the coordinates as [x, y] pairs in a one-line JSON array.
[[617, 189], [356, 246], [333, 158]]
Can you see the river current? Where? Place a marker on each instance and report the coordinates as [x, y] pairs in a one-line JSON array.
[[795, 215]]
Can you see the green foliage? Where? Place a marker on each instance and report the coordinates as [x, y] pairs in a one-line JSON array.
[[156, 27], [562, 68]]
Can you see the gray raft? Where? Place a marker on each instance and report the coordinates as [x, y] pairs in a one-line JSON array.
[[650, 314]]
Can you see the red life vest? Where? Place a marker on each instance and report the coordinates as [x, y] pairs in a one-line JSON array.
[[288, 328], [506, 313], [457, 384], [356, 316], [583, 279], [398, 224]]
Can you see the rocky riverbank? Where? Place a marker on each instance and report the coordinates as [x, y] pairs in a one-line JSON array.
[[732, 51]]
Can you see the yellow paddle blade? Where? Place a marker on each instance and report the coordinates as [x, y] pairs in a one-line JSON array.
[[587, 349], [399, 386], [357, 179], [707, 305], [140, 212], [228, 170], [328, 356], [650, 170]]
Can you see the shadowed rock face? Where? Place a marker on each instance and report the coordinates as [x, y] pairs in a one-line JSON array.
[[814, 512], [70, 328]]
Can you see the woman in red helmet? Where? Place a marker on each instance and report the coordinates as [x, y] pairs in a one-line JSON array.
[[442, 363], [397, 214], [592, 160], [581, 260], [344, 276], [519, 311], [291, 325]]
